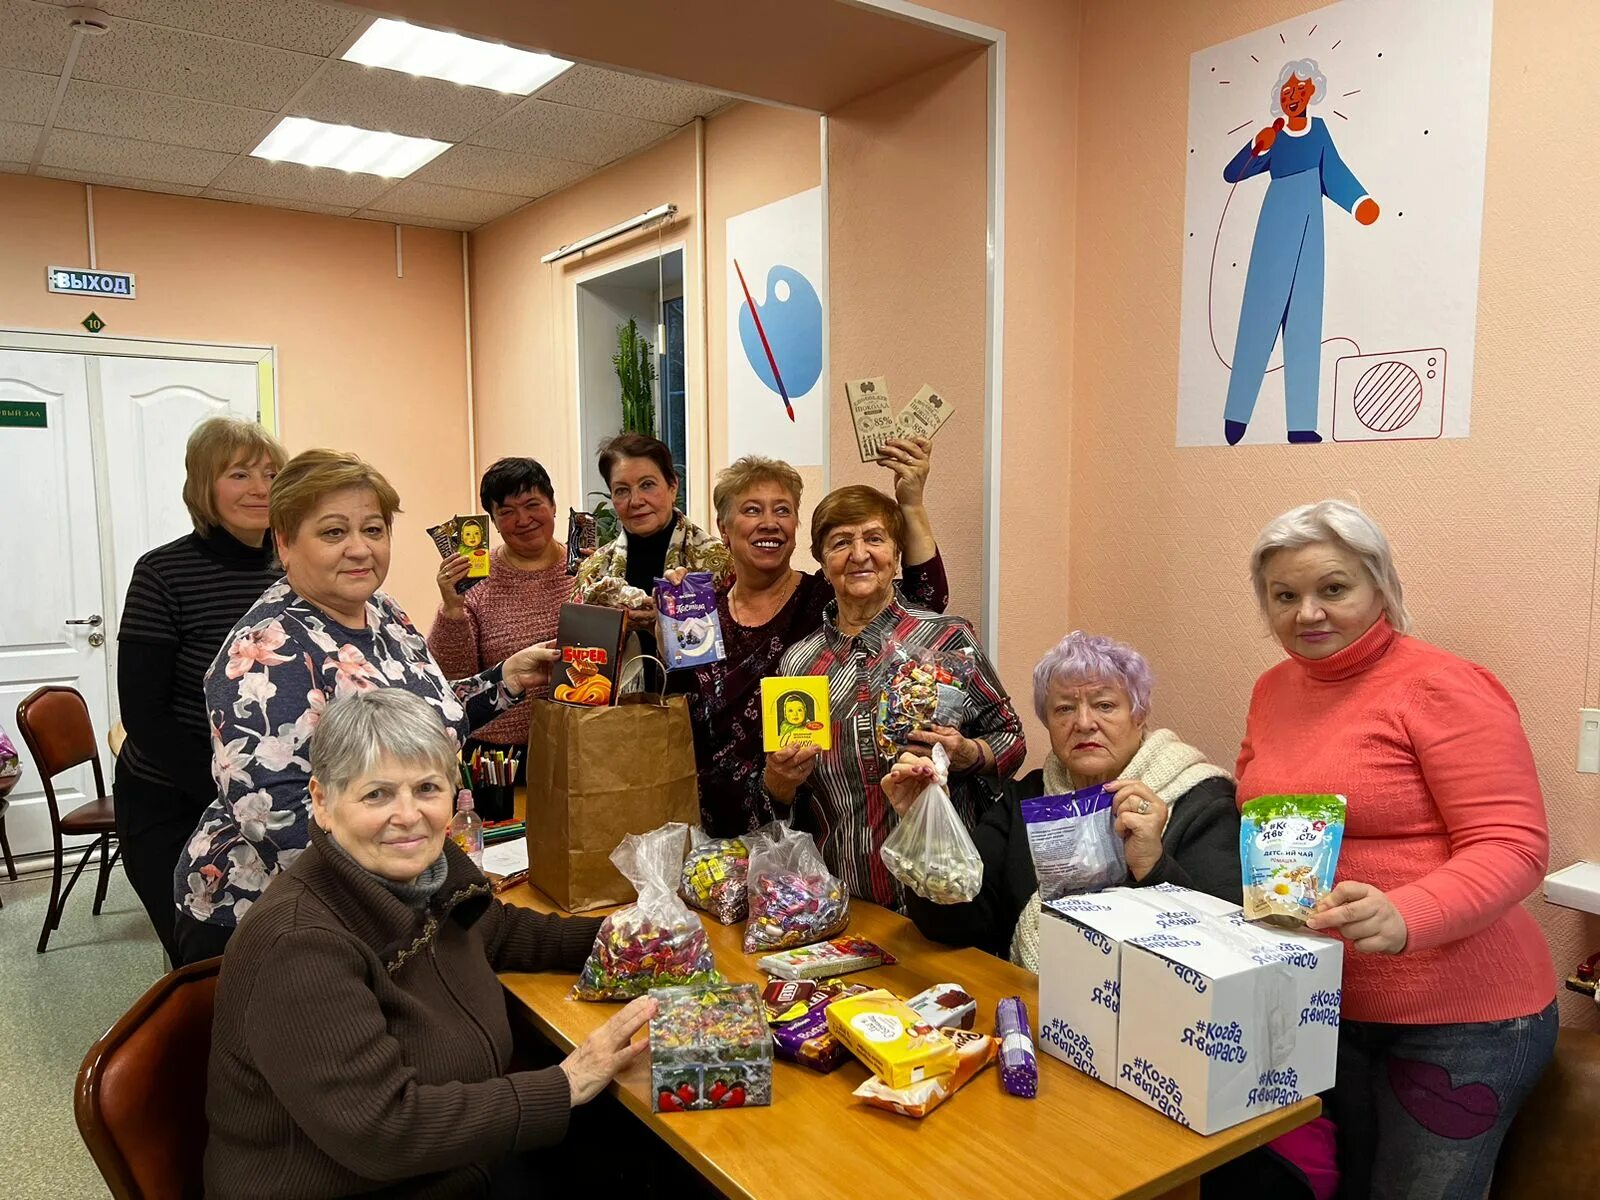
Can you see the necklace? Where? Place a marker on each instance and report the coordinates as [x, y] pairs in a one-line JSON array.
[[783, 598]]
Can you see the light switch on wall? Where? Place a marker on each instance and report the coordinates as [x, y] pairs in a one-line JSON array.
[[1589, 741]]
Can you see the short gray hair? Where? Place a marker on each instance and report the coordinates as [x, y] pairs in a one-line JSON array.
[[1300, 68], [1086, 658], [1335, 523], [358, 730]]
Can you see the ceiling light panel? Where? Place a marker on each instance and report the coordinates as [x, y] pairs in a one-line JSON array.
[[318, 144], [398, 46]]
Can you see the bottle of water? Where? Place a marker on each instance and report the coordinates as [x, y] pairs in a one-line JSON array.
[[466, 830]]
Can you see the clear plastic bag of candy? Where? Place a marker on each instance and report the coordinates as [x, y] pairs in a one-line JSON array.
[[1074, 842], [930, 851], [656, 941], [715, 875], [794, 899], [917, 688]]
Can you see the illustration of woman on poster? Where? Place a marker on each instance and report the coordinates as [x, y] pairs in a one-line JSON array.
[[1283, 289]]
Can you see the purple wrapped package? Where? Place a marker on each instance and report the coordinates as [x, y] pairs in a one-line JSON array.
[[689, 631], [1019, 1070]]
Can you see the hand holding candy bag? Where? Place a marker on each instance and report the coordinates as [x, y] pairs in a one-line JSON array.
[[1074, 842], [656, 942], [794, 900], [917, 688], [931, 851]]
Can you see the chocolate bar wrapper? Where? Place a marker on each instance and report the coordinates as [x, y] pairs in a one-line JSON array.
[[946, 1006], [923, 416], [872, 414], [841, 956], [582, 535], [444, 537], [896, 1044], [1019, 1069], [974, 1052], [806, 1039]]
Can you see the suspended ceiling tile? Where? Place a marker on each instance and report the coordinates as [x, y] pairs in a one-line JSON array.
[[122, 112], [332, 210], [303, 25], [427, 222], [290, 181], [73, 150], [33, 37], [26, 96], [373, 98], [571, 134], [449, 203], [631, 95], [17, 140], [121, 181], [193, 65], [500, 171]]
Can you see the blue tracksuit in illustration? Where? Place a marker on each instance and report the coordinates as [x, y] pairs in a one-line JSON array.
[[1283, 288]]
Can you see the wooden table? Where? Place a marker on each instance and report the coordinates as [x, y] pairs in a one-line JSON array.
[[1080, 1140]]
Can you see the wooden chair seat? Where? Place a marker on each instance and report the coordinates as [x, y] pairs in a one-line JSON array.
[[97, 816]]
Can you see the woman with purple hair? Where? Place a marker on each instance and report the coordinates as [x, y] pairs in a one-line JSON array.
[[1174, 810]]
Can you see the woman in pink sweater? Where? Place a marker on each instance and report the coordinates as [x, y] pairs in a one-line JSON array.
[[1449, 1015]]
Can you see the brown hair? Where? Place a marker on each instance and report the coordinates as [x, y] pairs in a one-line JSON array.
[[313, 474], [740, 476], [637, 445], [855, 505], [216, 444]]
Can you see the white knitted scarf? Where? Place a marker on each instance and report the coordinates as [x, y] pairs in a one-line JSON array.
[[1167, 766]]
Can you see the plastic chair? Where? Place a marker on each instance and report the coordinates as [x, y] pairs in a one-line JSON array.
[[140, 1099], [54, 723]]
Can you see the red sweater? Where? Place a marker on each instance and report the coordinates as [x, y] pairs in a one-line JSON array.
[[1445, 816]]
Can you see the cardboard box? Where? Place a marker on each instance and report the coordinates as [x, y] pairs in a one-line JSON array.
[[1209, 1019]]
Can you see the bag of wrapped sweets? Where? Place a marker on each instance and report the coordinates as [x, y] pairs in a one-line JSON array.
[[917, 688], [715, 875], [930, 851], [794, 898], [655, 942]]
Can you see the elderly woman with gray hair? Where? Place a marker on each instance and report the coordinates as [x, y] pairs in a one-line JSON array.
[[1174, 810], [1448, 1009], [360, 1040]]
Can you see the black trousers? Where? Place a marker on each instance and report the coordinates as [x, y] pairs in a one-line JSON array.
[[153, 826]]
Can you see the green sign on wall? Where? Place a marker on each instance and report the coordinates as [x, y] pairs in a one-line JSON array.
[[23, 414]]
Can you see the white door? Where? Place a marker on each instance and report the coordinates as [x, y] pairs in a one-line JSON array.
[[50, 551], [147, 408]]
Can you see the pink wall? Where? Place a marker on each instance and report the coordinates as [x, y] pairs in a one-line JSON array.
[[366, 361], [1494, 534]]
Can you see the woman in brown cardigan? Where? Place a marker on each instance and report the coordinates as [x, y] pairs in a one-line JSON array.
[[361, 1043]]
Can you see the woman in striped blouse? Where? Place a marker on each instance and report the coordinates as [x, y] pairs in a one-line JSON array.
[[856, 534]]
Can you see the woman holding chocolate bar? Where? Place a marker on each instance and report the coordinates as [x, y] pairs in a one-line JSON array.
[[857, 533], [768, 608], [1448, 1010], [1174, 811]]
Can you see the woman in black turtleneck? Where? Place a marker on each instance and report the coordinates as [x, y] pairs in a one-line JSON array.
[[655, 536], [183, 600]]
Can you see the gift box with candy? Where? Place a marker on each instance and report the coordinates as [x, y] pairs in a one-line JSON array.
[[709, 1048]]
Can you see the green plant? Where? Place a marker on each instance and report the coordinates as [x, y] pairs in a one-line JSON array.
[[606, 527], [636, 373]]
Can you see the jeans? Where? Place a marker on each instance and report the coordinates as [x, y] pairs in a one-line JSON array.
[[1422, 1109]]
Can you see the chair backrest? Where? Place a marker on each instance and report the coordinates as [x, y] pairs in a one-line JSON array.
[[140, 1098], [1550, 1149], [54, 722]]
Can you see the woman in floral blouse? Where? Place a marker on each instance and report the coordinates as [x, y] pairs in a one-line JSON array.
[[323, 631]]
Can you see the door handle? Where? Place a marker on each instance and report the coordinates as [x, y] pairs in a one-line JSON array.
[[91, 619]]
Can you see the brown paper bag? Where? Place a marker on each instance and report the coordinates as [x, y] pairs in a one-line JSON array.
[[596, 775]]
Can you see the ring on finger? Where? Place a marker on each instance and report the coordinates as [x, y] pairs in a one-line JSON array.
[[1144, 807]]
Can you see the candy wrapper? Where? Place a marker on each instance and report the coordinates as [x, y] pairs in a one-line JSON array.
[[946, 1006], [930, 851], [1019, 1069], [800, 1032], [1288, 850], [1075, 846], [838, 957], [917, 688], [888, 1035], [656, 942], [794, 900], [688, 629], [974, 1052], [616, 592], [715, 876], [583, 538], [709, 1048]]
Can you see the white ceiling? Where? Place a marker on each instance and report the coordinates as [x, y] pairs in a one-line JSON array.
[[174, 96]]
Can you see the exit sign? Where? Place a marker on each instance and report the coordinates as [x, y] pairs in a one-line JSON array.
[[77, 281]]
